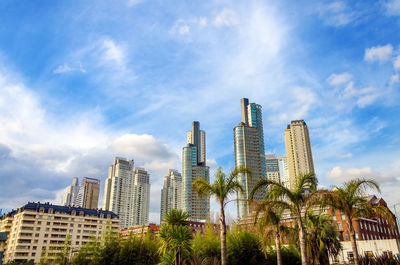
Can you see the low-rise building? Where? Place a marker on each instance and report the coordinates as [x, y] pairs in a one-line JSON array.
[[139, 230], [38, 228]]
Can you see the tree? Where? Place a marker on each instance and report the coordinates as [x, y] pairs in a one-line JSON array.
[[244, 247], [175, 236], [221, 188], [271, 225], [63, 257], [322, 238], [296, 200], [352, 201]]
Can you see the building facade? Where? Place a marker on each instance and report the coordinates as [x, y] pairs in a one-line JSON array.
[[171, 193], [194, 166], [118, 191], [141, 195], [38, 229], [249, 152], [127, 192], [88, 195], [71, 193], [272, 165], [298, 150], [139, 230]]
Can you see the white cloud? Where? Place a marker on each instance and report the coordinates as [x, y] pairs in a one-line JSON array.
[[227, 17], [65, 68], [396, 63], [347, 155], [134, 2], [378, 53], [394, 79], [336, 13], [339, 175], [113, 52], [393, 7], [339, 79]]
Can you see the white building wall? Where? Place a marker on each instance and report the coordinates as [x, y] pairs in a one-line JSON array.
[[376, 247]]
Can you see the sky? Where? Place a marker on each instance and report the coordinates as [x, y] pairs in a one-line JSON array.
[[84, 81]]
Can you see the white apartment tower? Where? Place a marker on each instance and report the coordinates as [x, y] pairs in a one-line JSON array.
[[71, 193], [141, 197], [171, 192], [127, 192], [298, 150]]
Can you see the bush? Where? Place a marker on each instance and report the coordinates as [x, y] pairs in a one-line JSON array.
[[380, 260], [290, 255], [208, 245], [244, 247]]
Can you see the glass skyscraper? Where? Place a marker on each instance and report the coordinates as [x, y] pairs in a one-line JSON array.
[[194, 166], [249, 152]]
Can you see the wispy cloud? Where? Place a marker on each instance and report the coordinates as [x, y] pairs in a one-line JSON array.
[[65, 68], [336, 13], [227, 17], [378, 53], [392, 7], [134, 2]]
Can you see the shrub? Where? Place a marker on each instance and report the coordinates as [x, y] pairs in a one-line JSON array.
[[244, 247], [290, 255], [207, 245], [380, 260]]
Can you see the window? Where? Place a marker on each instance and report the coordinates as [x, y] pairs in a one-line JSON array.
[[346, 236], [356, 236]]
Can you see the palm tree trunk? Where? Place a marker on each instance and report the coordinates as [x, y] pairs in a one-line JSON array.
[[223, 235], [278, 248], [302, 238], [353, 241]]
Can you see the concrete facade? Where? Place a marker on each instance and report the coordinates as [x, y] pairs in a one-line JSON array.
[[298, 151], [171, 193], [38, 228]]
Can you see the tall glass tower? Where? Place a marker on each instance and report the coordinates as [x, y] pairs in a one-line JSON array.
[[194, 166], [249, 152]]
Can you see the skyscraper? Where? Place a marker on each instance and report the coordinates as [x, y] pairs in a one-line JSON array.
[[249, 152], [171, 193], [194, 166], [118, 191], [298, 150], [273, 168], [70, 193], [88, 195], [284, 170], [141, 197]]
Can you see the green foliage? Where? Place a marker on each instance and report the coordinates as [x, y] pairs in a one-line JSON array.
[[381, 260], [290, 255], [175, 237], [244, 247], [134, 250], [207, 245]]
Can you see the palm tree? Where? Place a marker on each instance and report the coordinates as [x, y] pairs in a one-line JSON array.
[[296, 200], [222, 187], [271, 222], [322, 237], [175, 236], [351, 200]]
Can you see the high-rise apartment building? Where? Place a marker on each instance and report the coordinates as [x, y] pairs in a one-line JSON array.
[[249, 152], [127, 192], [85, 195], [171, 193], [298, 150], [88, 195], [283, 164], [71, 193], [273, 168], [141, 197], [194, 166]]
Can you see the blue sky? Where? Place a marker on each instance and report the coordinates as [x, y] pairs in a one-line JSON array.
[[83, 81]]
